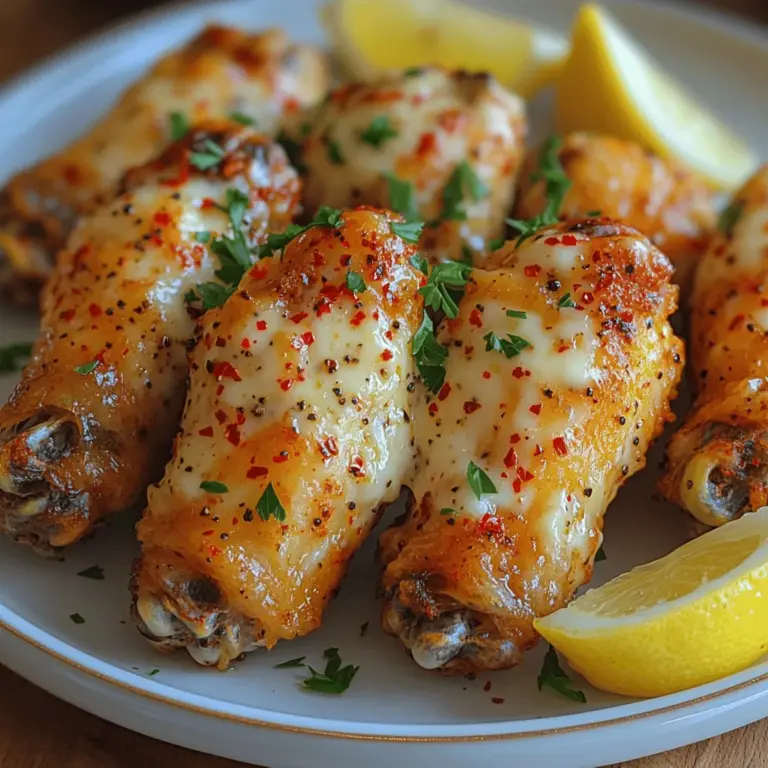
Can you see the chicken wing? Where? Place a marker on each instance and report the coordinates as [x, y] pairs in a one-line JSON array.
[[222, 71], [559, 373], [93, 418], [295, 435], [669, 204], [442, 147], [717, 462]]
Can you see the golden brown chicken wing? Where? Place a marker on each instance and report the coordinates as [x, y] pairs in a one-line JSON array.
[[559, 372], [717, 462], [620, 180], [295, 435], [258, 77], [90, 424], [439, 146]]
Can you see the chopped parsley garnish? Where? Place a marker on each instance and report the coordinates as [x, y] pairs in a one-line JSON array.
[[516, 313], [325, 217], [447, 511], [566, 301], [512, 346], [557, 185], [294, 149], [153, 672], [86, 368], [594, 213], [77, 618], [467, 255], [479, 481], [179, 125], [496, 243], [95, 572], [600, 556], [409, 231], [449, 274], [269, 505], [553, 676], [419, 260], [242, 118], [208, 159], [236, 203], [379, 131], [730, 217], [355, 282], [212, 295], [12, 355], [334, 152], [297, 662], [204, 236], [213, 486], [402, 198], [430, 355], [463, 181], [413, 71], [335, 678]]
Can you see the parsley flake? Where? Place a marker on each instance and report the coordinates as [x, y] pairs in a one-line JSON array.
[[402, 197], [242, 118], [516, 313], [212, 295], [552, 675], [463, 181], [419, 260], [77, 618], [86, 368], [204, 236], [179, 125], [566, 301], [297, 662], [449, 274], [153, 672], [236, 203], [512, 346], [355, 282], [325, 217], [294, 149], [213, 486], [95, 572], [447, 511], [600, 556], [557, 185], [409, 231], [12, 355], [269, 505], [335, 679], [379, 131], [594, 214], [730, 217], [205, 160], [430, 355], [479, 481], [334, 152]]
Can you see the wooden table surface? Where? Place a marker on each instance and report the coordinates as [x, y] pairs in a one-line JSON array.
[[39, 731]]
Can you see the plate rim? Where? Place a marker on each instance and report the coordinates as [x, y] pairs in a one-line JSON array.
[[683, 11]]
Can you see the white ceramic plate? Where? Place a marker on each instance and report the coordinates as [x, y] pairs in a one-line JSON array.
[[394, 712]]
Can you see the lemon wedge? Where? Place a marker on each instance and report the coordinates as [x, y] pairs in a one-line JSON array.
[[609, 84], [696, 615], [372, 38]]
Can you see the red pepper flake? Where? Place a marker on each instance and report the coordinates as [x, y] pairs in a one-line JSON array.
[[245, 344], [232, 433], [587, 297], [490, 524], [514, 439], [445, 390], [486, 374], [497, 700], [95, 310], [569, 240], [219, 390], [213, 551], [308, 338], [206, 432], [524, 475], [563, 348], [427, 144], [208, 203], [487, 686], [67, 314], [280, 458], [538, 450], [389, 335], [596, 256], [208, 533], [357, 466], [386, 354], [358, 318], [258, 272], [535, 409], [561, 449], [475, 318], [225, 370], [552, 241], [432, 409], [162, 219], [736, 322], [510, 460], [517, 486], [221, 416], [221, 342], [261, 325], [299, 317], [518, 372], [532, 270], [255, 472], [285, 384], [470, 406], [330, 447]]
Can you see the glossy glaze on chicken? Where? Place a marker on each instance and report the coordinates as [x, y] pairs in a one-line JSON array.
[[222, 71], [91, 422], [560, 368]]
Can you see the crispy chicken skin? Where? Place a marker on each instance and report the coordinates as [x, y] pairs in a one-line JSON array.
[[91, 422], [222, 70], [424, 128], [557, 428], [668, 203], [717, 462], [301, 387]]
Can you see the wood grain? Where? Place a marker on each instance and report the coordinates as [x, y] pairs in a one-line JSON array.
[[39, 731]]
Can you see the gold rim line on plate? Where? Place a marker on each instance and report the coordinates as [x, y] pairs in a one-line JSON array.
[[369, 736]]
